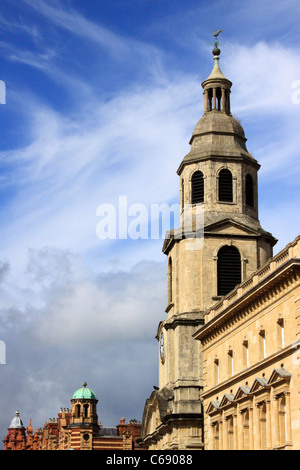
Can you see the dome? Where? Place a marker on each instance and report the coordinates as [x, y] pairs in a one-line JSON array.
[[84, 393], [217, 122], [16, 422]]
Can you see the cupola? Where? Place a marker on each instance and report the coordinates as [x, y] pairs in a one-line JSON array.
[[84, 393], [17, 422], [216, 88]]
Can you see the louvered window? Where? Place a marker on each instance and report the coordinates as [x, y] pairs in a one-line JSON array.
[[249, 191], [225, 186], [229, 269], [197, 187]]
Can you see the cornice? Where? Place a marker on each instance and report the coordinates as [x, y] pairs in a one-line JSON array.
[[237, 378], [249, 297]]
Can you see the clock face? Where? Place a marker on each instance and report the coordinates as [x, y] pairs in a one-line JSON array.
[[162, 346]]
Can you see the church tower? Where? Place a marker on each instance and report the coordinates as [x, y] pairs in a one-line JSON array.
[[218, 245]]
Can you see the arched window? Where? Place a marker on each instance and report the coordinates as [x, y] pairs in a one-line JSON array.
[[85, 410], [197, 187], [77, 411], [225, 186], [229, 269], [249, 190]]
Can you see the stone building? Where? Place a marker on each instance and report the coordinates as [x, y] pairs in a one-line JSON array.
[[74, 429], [207, 362], [251, 352]]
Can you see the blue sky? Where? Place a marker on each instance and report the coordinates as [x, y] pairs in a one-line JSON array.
[[101, 100]]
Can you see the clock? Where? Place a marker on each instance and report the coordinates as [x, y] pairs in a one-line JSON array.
[[162, 349]]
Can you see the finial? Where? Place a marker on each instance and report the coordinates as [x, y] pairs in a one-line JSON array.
[[216, 51], [85, 384]]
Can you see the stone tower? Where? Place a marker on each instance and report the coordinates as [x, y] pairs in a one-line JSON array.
[[219, 244]]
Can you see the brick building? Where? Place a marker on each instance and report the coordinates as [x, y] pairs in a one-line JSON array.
[[76, 428]]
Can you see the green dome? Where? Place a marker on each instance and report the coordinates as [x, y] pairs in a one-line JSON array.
[[85, 393]]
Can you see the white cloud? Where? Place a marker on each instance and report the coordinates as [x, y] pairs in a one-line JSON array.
[[262, 76], [67, 306]]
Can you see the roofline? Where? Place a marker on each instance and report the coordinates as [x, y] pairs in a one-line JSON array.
[[224, 313]]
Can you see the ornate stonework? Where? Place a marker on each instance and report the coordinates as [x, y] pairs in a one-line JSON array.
[[202, 401]]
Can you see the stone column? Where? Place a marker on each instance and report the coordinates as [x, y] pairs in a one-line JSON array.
[[275, 422], [235, 431], [223, 99], [206, 107], [240, 436], [214, 98], [221, 434], [288, 417], [251, 430], [269, 424], [256, 427]]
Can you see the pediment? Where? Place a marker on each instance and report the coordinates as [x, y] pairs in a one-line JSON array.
[[230, 227], [259, 383], [278, 375], [227, 399], [213, 406], [242, 392]]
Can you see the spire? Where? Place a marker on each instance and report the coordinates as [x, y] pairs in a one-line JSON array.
[[216, 86]]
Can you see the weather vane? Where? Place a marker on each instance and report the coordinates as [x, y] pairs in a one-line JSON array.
[[216, 50]]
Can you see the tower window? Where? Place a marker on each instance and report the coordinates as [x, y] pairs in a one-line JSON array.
[[249, 191], [225, 186], [218, 98], [77, 411], [229, 269], [85, 410], [197, 187]]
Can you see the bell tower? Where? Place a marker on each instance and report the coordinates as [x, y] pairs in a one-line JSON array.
[[219, 244]]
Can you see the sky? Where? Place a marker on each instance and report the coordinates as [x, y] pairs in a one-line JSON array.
[[99, 99]]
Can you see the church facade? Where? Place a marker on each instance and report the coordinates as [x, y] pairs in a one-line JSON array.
[[222, 356]]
